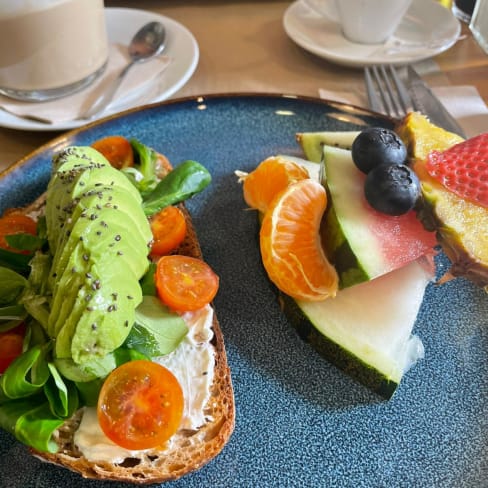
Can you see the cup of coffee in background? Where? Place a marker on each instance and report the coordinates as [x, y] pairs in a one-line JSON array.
[[363, 21], [50, 48], [479, 24]]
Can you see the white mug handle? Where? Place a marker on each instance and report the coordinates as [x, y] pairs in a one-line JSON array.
[[324, 8]]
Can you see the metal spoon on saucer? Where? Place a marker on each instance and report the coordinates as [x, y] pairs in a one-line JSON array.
[[147, 42]]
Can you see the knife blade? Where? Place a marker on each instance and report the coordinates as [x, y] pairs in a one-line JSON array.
[[425, 101]]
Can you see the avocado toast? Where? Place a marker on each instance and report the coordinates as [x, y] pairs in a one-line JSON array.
[[95, 295]]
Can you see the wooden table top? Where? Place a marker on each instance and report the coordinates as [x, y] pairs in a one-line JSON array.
[[244, 48]]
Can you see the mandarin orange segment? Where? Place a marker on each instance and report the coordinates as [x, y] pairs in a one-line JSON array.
[[271, 177], [290, 243]]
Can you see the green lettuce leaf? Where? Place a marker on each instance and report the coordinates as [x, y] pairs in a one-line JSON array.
[[15, 261], [36, 427], [12, 284], [31, 422], [157, 330], [25, 242], [62, 395], [11, 313], [26, 375], [89, 391], [148, 285]]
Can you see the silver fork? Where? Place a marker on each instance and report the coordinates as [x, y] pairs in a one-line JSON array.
[[386, 91]]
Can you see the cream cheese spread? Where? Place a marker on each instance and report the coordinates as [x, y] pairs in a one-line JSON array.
[[192, 362]]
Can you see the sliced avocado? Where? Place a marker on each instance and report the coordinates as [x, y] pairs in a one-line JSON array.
[[95, 189], [67, 286], [105, 231], [68, 167], [107, 235], [107, 304], [108, 246], [99, 237]]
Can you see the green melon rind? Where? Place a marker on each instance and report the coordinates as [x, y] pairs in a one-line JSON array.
[[375, 348], [339, 251], [312, 142], [352, 249], [335, 354]]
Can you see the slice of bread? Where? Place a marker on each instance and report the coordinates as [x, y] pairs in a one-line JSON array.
[[187, 450]]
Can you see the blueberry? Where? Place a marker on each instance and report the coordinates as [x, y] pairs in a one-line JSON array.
[[374, 146], [392, 189]]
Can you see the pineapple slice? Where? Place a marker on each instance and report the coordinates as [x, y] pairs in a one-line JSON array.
[[421, 136], [461, 226]]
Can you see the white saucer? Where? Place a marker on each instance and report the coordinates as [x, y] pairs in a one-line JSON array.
[[427, 30], [121, 24]]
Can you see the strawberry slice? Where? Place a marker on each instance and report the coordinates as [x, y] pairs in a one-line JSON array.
[[463, 169]]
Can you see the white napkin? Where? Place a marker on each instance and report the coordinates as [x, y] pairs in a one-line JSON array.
[[462, 102], [71, 107]]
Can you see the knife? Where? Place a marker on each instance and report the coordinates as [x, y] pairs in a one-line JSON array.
[[425, 101]]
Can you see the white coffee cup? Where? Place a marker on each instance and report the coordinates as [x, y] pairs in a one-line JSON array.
[[50, 48], [479, 24], [363, 21]]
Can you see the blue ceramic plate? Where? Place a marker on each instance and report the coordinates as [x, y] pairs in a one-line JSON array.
[[300, 421]]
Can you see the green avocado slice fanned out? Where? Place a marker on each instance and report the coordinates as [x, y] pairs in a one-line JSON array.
[[99, 237]]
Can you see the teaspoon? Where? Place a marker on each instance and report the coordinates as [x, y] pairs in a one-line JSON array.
[[147, 42]]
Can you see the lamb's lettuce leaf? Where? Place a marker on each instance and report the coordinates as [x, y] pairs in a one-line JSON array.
[[15, 261], [25, 242], [61, 394], [31, 421], [12, 284], [27, 374]]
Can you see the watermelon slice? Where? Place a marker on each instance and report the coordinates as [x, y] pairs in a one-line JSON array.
[[361, 242]]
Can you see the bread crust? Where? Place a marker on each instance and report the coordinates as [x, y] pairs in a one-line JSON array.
[[187, 450]]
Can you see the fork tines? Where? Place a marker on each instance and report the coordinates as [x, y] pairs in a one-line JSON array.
[[386, 91]]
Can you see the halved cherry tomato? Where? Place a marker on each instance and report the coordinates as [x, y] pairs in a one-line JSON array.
[[117, 150], [185, 283], [140, 405], [15, 223], [169, 229], [11, 342]]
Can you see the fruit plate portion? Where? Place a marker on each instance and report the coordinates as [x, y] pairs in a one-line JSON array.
[[300, 420]]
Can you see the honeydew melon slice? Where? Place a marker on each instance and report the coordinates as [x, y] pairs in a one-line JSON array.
[[312, 142], [312, 168], [366, 330], [361, 242]]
